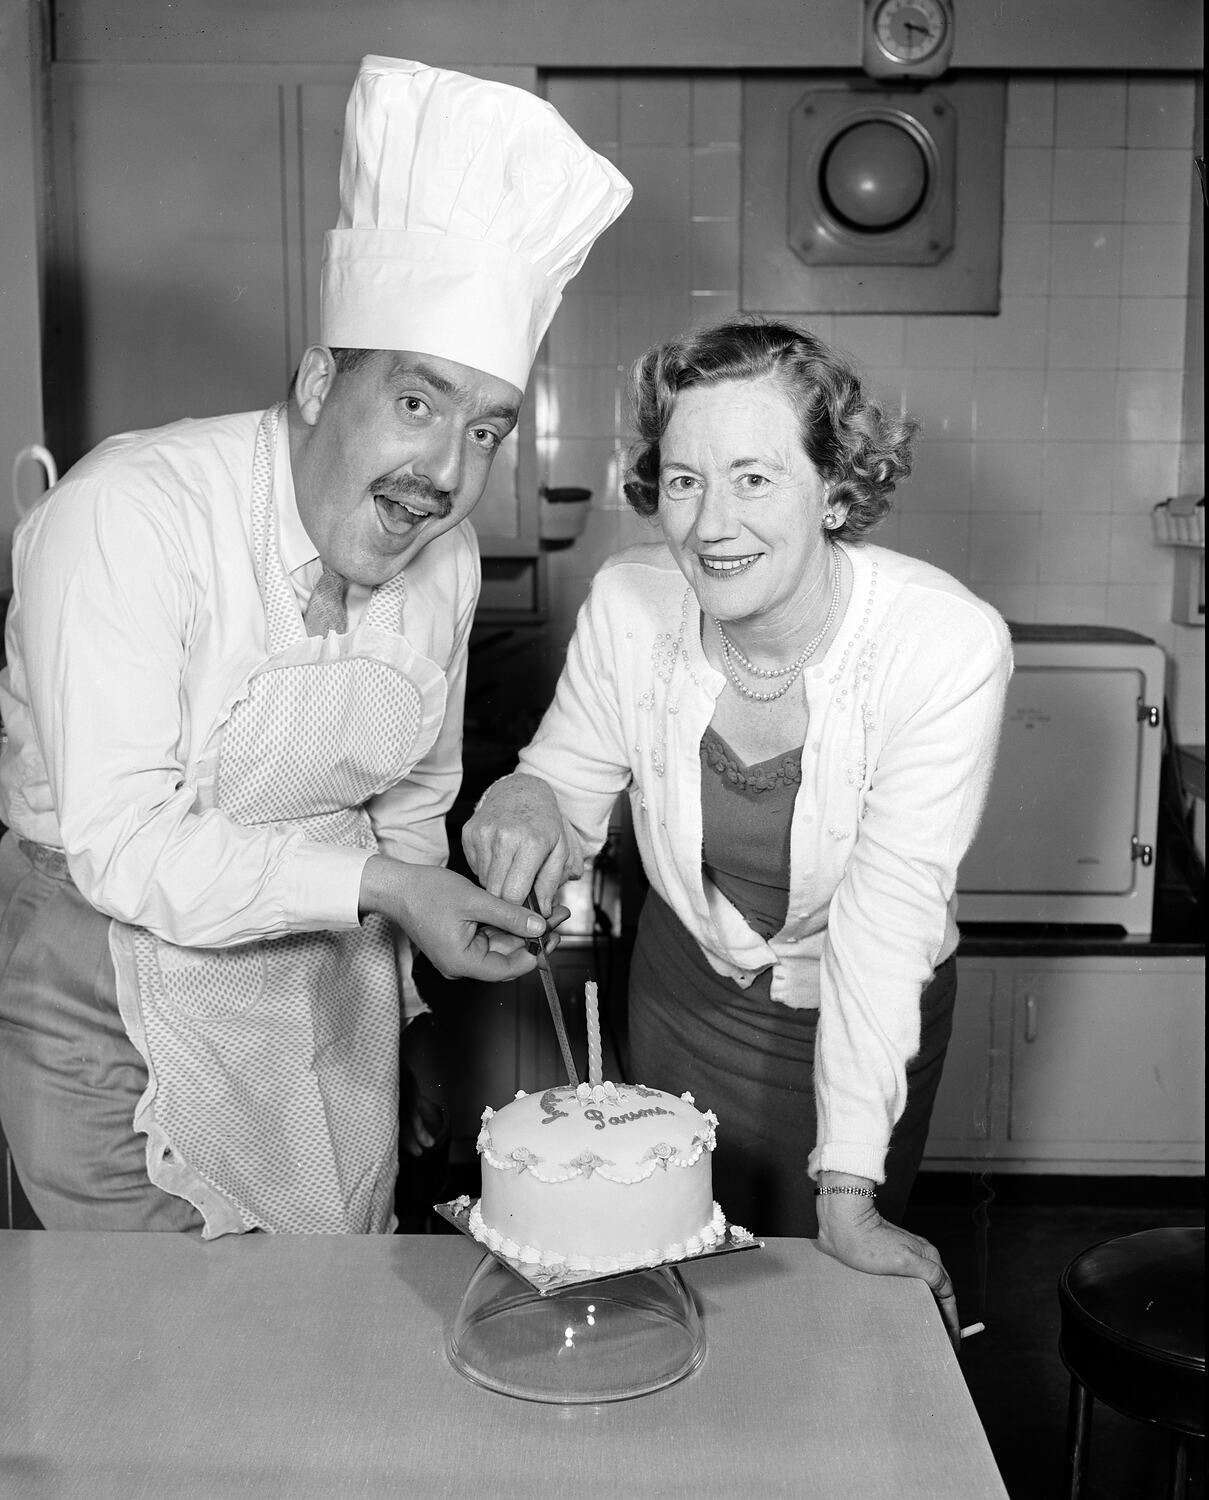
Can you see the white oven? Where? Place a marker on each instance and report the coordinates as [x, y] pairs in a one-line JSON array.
[[1069, 831]]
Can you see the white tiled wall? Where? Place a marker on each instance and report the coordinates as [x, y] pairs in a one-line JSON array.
[[1050, 430]]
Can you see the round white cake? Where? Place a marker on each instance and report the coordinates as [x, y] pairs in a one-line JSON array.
[[600, 1178]]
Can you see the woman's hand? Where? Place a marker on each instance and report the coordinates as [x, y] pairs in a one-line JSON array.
[[465, 932], [852, 1230], [516, 841]]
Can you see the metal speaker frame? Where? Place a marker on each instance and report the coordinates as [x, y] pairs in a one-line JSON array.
[[817, 231], [897, 272]]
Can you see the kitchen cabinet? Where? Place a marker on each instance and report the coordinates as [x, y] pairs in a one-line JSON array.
[[175, 290], [1089, 1064], [21, 422], [186, 238]]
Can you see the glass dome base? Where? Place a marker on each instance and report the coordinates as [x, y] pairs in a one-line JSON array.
[[603, 1341]]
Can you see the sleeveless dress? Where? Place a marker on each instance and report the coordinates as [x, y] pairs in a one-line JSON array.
[[740, 1053]]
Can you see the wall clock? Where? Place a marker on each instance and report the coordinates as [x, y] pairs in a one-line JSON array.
[[907, 38]]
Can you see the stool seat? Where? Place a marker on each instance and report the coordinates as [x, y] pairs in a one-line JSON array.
[[1133, 1336], [1133, 1325]]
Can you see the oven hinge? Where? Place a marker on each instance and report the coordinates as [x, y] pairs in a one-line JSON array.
[[1149, 713], [1144, 853]]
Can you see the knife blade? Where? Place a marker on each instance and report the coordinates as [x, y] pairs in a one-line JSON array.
[[538, 947]]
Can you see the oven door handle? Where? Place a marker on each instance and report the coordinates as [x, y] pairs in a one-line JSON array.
[[35, 453]]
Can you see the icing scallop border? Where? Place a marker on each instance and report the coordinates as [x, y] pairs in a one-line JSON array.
[[706, 1238]]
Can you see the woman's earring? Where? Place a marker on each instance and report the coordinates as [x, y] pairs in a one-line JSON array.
[[830, 520]]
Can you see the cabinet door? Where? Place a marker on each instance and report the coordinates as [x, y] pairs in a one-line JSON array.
[[20, 333], [962, 1114], [173, 295], [478, 1044], [1108, 1063], [191, 205]]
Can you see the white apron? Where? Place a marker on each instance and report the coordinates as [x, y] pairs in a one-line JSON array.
[[272, 1096]]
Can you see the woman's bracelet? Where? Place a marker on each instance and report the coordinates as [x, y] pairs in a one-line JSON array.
[[857, 1192]]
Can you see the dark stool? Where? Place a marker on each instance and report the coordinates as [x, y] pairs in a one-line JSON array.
[[1133, 1336]]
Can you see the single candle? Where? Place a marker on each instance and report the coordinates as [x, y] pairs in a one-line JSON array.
[[592, 1011]]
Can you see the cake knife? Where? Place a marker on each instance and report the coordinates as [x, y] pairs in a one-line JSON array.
[[538, 947]]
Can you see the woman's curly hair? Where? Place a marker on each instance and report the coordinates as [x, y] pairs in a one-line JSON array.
[[860, 450]]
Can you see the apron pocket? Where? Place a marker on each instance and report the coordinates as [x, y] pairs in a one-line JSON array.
[[288, 752], [209, 982]]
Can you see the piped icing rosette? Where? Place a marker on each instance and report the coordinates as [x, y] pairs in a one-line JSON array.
[[599, 1178]]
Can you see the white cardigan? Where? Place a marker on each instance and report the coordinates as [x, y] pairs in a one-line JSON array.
[[905, 710]]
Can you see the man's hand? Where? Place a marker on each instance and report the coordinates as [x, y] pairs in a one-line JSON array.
[[465, 932], [516, 841], [852, 1230]]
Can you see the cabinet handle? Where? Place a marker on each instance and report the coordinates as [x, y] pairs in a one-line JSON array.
[[1030, 1018]]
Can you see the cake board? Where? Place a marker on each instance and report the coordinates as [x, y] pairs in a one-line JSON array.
[[548, 1281]]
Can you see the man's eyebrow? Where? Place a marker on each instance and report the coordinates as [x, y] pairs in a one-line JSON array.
[[418, 370], [504, 411]]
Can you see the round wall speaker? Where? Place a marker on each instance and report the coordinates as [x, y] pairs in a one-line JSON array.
[[871, 177]]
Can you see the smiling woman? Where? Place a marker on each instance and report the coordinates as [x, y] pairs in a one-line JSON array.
[[759, 449], [805, 724], [844, 431], [742, 510]]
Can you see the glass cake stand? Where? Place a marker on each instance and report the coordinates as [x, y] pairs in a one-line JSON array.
[[605, 1340]]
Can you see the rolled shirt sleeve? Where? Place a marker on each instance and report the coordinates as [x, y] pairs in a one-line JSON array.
[[115, 617], [136, 619]]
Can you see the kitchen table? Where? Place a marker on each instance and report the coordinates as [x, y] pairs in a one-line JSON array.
[[139, 1365]]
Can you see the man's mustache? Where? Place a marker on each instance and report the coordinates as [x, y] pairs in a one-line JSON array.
[[407, 487]]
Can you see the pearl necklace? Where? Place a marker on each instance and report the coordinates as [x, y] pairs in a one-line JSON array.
[[792, 672]]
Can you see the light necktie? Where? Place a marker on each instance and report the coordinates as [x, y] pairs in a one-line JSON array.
[[325, 610]]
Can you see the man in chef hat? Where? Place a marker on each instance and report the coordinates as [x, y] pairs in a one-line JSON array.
[[237, 655]]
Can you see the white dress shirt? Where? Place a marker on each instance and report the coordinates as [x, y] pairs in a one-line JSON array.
[[135, 620]]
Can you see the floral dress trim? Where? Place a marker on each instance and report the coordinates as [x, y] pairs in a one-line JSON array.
[[764, 776]]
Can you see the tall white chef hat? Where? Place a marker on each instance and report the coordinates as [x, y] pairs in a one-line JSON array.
[[465, 208]]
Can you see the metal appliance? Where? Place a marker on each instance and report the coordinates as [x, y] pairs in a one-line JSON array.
[[1068, 835]]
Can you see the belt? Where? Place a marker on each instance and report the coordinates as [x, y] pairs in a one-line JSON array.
[[46, 859]]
